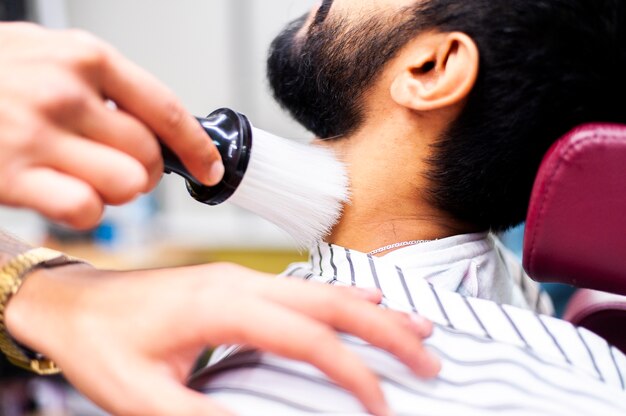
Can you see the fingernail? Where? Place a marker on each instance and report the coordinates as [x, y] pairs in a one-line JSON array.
[[435, 362], [429, 366], [423, 326], [216, 173], [419, 319], [373, 295], [381, 409]]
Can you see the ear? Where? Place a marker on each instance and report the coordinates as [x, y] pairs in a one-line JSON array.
[[438, 70]]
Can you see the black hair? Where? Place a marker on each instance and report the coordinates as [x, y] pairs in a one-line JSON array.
[[546, 66], [321, 79]]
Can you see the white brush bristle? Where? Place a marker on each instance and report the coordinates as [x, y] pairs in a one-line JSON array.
[[299, 187]]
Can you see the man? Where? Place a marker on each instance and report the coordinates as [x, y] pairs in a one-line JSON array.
[[443, 110], [129, 339], [391, 87]]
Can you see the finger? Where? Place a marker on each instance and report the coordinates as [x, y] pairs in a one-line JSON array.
[[399, 333], [58, 197], [281, 331], [117, 129], [392, 331], [117, 177], [423, 326], [370, 295], [420, 325], [144, 97]]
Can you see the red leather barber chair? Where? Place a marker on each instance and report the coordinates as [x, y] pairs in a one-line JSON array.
[[576, 226]]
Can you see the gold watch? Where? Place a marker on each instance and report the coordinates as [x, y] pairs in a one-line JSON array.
[[11, 277]]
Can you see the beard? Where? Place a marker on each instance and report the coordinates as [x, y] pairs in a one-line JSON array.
[[322, 78]]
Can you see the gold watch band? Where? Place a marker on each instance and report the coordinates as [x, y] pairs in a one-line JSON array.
[[11, 277]]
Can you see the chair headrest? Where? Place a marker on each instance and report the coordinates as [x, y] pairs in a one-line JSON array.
[[576, 224]]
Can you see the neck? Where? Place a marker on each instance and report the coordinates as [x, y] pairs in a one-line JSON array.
[[388, 201], [370, 223]]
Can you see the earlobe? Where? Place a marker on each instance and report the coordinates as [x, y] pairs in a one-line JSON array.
[[440, 71]]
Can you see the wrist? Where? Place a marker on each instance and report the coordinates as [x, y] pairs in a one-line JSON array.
[[27, 320], [25, 311], [36, 311]]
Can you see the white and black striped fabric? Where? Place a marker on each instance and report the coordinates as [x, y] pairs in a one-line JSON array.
[[496, 359], [475, 265]]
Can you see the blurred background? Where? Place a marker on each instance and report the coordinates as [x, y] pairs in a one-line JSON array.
[[211, 53]]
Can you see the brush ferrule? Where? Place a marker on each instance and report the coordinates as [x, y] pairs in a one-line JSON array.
[[231, 133]]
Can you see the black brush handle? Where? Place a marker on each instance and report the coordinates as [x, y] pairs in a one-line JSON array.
[[231, 133]]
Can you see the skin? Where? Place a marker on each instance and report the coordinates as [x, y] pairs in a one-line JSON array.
[[418, 94], [128, 340]]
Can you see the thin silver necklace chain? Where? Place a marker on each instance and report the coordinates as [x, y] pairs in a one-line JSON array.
[[398, 245]]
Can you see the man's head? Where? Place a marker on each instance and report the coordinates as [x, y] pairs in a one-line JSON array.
[[507, 76]]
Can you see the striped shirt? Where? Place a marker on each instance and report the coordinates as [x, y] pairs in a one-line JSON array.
[[474, 265], [496, 359]]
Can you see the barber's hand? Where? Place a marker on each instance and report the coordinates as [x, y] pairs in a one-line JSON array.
[[128, 340], [63, 150]]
